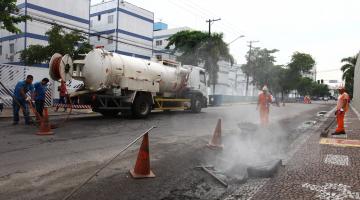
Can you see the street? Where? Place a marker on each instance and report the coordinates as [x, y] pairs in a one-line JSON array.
[[49, 167]]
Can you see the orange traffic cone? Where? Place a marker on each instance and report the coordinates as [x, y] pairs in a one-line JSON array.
[[45, 127], [142, 166], [216, 142]]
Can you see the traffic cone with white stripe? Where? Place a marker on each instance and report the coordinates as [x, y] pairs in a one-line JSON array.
[[45, 127], [216, 142], [142, 166]]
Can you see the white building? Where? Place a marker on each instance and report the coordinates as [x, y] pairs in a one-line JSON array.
[[311, 74], [128, 29], [232, 81], [75, 15], [161, 36]]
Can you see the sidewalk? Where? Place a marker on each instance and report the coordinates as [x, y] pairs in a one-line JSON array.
[[322, 168], [7, 112]]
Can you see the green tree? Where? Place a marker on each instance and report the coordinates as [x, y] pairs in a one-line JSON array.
[[319, 90], [301, 64], [9, 17], [72, 43], [348, 73], [260, 66], [196, 47], [305, 86]]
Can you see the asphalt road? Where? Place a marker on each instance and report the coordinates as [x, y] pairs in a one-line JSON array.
[[49, 167]]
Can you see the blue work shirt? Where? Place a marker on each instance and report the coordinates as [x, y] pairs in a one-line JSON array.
[[26, 87], [40, 91]]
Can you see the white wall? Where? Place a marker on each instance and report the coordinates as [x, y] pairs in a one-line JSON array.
[[356, 95]]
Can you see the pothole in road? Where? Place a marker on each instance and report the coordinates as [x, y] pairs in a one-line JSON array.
[[305, 126], [321, 113], [199, 190]]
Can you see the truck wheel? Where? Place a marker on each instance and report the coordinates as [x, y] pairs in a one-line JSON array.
[[109, 113], [196, 104], [141, 106]]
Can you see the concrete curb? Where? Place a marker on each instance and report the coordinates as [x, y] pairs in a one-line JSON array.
[[53, 114]]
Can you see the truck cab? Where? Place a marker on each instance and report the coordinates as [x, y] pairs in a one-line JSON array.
[[197, 79]]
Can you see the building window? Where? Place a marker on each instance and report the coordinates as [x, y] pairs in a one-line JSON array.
[[99, 17], [110, 19], [98, 37], [0, 50], [158, 42], [12, 48], [110, 40], [91, 23], [202, 77]]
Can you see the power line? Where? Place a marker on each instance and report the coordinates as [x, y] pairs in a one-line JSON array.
[[224, 22], [206, 14], [86, 32], [329, 70], [199, 13]]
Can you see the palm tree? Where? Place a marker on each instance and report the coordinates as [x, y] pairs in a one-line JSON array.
[[348, 72], [196, 47]]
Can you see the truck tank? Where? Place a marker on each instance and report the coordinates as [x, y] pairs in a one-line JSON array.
[[101, 70]]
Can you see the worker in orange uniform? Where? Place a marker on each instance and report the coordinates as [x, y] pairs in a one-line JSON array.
[[263, 105], [341, 108], [62, 94]]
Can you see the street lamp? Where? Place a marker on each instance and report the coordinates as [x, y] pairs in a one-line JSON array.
[[241, 36]]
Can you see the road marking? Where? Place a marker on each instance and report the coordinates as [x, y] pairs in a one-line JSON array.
[[341, 160], [343, 136], [332, 191], [340, 142]]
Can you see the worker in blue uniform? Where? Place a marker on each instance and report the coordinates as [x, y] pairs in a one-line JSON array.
[[40, 95], [20, 99]]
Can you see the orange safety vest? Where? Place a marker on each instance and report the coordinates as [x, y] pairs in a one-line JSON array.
[[264, 100], [343, 102]]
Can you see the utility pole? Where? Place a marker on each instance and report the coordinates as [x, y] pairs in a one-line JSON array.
[[211, 21], [236, 69], [249, 60]]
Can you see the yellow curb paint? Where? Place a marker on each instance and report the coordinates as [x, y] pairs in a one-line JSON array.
[[340, 142]]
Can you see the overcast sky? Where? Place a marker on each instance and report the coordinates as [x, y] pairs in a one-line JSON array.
[[327, 29]]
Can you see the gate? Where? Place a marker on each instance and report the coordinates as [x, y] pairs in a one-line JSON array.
[[10, 75]]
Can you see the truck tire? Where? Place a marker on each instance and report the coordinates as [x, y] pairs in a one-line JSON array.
[[109, 113], [141, 106], [196, 104]]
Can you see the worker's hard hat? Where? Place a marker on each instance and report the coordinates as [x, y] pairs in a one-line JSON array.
[[265, 88]]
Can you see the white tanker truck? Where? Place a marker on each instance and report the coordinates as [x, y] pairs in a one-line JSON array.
[[116, 83]]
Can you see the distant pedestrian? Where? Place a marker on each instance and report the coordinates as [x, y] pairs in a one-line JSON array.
[[62, 94], [39, 94], [20, 99], [264, 101], [341, 108]]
